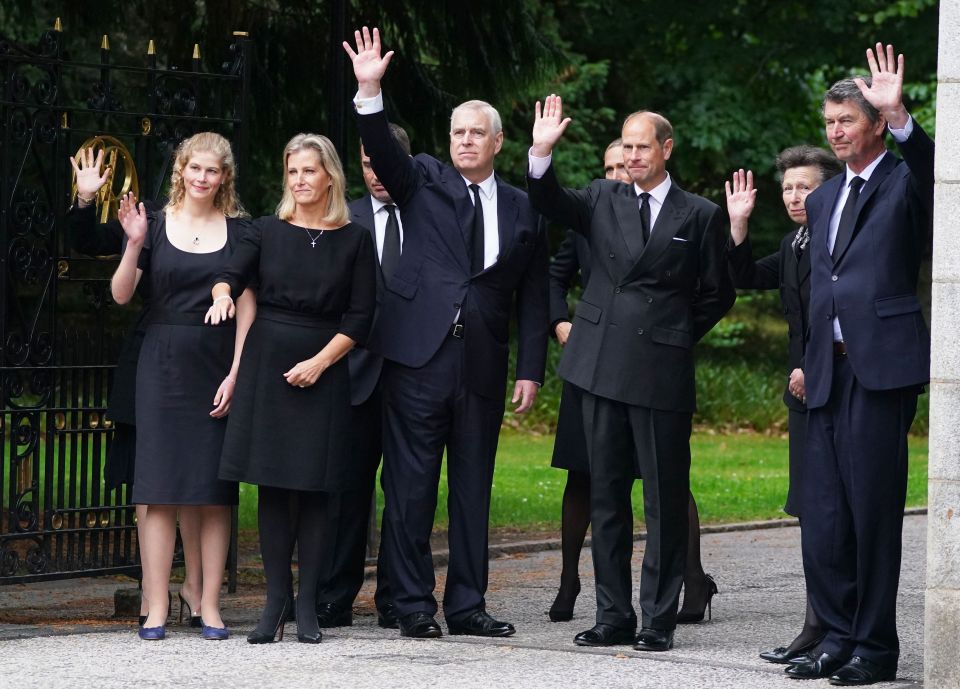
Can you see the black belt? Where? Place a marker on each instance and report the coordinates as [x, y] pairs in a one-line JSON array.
[[839, 348], [307, 320], [456, 330]]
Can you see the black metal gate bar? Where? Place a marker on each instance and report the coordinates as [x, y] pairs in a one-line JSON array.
[[59, 332]]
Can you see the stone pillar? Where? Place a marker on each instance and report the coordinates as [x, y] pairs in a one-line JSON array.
[[942, 608]]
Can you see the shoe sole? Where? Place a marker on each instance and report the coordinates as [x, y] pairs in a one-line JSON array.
[[496, 635], [881, 678], [426, 635], [594, 644]]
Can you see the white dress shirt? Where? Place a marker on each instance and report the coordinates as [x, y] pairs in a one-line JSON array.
[[491, 233]]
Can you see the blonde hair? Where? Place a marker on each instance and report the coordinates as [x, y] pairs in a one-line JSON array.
[[207, 142], [337, 213]]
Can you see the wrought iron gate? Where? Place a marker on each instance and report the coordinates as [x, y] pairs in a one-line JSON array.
[[59, 332]]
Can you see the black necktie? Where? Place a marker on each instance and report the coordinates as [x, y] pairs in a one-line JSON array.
[[645, 216], [847, 215], [476, 237], [390, 256]]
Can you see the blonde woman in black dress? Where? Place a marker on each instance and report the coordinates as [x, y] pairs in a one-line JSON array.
[[289, 429], [186, 372]]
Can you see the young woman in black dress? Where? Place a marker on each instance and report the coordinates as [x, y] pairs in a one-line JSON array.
[[289, 429], [186, 372]]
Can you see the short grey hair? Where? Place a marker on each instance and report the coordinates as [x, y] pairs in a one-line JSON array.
[[808, 156], [616, 143], [662, 128], [493, 117], [847, 90]]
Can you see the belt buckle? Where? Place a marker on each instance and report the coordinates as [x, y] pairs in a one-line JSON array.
[[457, 331]]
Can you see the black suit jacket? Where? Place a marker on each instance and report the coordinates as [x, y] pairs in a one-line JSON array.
[[572, 257], [365, 366], [783, 271], [433, 279], [645, 305], [872, 285]]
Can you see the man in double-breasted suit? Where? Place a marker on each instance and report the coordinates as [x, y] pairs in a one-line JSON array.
[[473, 246], [350, 511], [867, 358], [658, 283]]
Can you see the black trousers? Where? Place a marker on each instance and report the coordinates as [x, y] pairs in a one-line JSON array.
[[350, 514], [852, 497], [619, 434], [426, 410]]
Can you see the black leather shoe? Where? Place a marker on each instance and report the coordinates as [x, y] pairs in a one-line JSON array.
[[786, 655], [387, 617], [334, 615], [419, 625], [650, 639], [817, 667], [479, 623], [859, 671], [605, 635]]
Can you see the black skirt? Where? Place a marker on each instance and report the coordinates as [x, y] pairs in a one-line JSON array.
[[281, 435], [178, 442]]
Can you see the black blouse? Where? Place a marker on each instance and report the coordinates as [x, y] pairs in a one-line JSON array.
[[335, 280]]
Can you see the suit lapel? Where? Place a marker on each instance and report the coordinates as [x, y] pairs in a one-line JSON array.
[[507, 211], [884, 168], [362, 212], [627, 211], [457, 191]]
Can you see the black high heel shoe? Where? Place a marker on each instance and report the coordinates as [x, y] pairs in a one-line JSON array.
[[562, 608], [783, 655], [274, 634], [194, 620], [690, 614]]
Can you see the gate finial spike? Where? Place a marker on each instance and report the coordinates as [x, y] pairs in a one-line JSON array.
[[57, 26], [196, 51], [151, 48], [105, 43]]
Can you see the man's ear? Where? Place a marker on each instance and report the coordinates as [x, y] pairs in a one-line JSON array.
[[667, 149]]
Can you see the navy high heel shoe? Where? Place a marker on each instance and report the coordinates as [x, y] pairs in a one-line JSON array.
[[194, 620]]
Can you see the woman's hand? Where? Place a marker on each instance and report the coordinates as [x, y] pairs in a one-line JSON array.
[[221, 310], [88, 175], [306, 373], [133, 219], [221, 401]]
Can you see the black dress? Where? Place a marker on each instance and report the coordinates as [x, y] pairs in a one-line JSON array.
[[182, 364], [280, 435]]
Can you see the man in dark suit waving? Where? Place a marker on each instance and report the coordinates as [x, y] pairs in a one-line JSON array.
[[350, 510], [658, 283], [472, 246], [867, 358]]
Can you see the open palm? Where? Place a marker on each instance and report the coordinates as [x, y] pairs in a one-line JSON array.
[[368, 63]]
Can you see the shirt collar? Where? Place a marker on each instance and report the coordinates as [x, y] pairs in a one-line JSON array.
[[378, 204], [865, 173], [659, 192], [487, 186]]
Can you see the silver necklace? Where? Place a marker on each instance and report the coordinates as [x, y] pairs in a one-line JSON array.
[[313, 240], [196, 241]]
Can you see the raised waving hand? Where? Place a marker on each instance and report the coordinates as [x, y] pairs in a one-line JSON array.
[[133, 219], [549, 124], [885, 92], [741, 198], [89, 175], [369, 65]]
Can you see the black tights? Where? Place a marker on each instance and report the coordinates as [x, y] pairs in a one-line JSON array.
[[287, 517], [574, 522]]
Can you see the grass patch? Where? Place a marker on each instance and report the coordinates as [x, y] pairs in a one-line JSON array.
[[735, 477]]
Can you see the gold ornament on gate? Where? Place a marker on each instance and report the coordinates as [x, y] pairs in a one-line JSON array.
[[121, 178]]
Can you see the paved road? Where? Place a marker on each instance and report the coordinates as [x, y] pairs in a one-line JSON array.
[[760, 604]]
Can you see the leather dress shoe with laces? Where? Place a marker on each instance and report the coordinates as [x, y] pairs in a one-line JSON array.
[[650, 639], [860, 671], [605, 635], [480, 623], [419, 625], [815, 667], [334, 615], [387, 617]]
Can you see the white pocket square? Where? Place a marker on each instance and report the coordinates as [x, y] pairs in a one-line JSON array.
[[680, 239]]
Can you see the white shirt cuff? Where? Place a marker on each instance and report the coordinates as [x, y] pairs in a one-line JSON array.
[[901, 135], [368, 106], [538, 166]]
